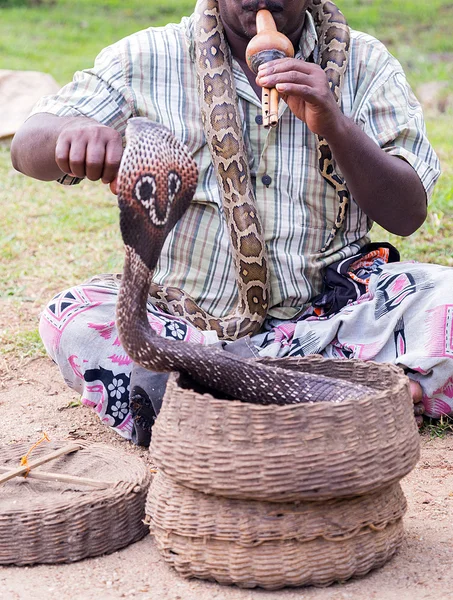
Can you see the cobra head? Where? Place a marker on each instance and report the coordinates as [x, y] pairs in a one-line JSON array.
[[156, 182]]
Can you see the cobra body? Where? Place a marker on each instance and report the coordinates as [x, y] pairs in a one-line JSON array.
[[156, 182]]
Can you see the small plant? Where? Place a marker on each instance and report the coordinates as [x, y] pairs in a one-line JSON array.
[[438, 428]]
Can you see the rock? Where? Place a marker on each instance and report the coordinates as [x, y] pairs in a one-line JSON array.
[[19, 92], [434, 96]]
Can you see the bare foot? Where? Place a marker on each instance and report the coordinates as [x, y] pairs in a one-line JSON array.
[[417, 396]]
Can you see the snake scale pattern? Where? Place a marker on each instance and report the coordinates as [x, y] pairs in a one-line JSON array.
[[156, 182]]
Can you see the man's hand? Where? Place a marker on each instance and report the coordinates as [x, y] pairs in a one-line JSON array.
[[86, 148], [47, 146], [305, 88], [385, 187]]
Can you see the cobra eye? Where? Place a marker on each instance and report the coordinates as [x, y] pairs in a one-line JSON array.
[[174, 184], [145, 190]]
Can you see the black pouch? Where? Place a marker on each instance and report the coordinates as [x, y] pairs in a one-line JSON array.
[[339, 288]]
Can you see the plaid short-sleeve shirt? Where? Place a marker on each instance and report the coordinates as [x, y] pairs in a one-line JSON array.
[[152, 74]]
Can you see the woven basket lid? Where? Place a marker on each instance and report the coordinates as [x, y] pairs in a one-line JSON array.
[[295, 452], [45, 521]]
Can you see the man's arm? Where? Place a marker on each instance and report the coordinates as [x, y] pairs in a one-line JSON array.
[[47, 146], [385, 187]]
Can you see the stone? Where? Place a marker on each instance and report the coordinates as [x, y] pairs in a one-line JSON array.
[[19, 92]]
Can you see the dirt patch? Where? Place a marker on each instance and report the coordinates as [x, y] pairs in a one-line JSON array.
[[33, 398]]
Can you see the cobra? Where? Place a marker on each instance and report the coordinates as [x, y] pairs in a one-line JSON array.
[[156, 182]]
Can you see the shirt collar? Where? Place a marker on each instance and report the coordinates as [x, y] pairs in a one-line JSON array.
[[309, 38]]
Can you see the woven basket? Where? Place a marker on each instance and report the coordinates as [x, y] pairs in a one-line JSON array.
[[53, 522], [189, 513], [287, 453], [273, 545]]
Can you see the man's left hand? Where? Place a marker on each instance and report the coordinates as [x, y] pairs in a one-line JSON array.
[[305, 89]]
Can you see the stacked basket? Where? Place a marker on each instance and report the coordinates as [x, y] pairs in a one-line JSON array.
[[273, 496]]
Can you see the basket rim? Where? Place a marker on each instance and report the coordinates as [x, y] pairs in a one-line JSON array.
[[305, 451], [400, 385]]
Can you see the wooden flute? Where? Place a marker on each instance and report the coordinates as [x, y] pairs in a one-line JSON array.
[[268, 44]]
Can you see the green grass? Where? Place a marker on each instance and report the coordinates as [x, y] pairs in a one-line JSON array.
[[22, 344], [63, 36], [418, 33], [434, 241], [438, 428], [423, 25], [51, 235]]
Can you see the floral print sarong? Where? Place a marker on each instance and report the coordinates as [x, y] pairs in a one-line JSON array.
[[404, 316]]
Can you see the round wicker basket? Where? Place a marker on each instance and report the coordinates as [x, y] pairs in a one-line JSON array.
[[272, 545], [44, 521], [295, 452]]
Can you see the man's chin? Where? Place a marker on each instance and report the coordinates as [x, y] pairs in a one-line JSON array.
[[249, 33], [249, 26]]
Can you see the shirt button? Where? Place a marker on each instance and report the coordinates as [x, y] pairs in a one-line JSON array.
[[266, 180], [259, 119]]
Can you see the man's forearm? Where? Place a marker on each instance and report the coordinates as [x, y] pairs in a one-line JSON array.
[[47, 147], [385, 187], [33, 146]]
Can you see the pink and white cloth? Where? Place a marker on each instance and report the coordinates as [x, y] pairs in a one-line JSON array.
[[405, 318]]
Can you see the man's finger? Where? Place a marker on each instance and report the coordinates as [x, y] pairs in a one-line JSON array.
[[416, 391], [62, 155], [419, 409], [94, 161], [114, 186], [77, 153], [419, 421], [113, 153], [283, 65], [305, 92], [270, 81]]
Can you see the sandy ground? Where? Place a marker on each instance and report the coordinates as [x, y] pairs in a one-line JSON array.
[[34, 398]]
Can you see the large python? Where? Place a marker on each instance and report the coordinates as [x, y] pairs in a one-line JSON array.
[[156, 182], [223, 132]]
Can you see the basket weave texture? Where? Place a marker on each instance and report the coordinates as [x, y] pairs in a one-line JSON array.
[[249, 523], [53, 522], [280, 564], [293, 452], [276, 496], [273, 545]]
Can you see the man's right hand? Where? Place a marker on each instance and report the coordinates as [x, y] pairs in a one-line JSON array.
[[47, 147], [86, 148]]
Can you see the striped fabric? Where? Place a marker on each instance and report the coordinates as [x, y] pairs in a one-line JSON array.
[[151, 73]]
